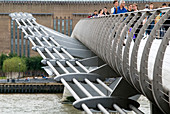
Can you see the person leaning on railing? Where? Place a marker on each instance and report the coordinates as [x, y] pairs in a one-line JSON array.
[[94, 14], [130, 8], [135, 7], [100, 13], [121, 8], [105, 12], [114, 9]]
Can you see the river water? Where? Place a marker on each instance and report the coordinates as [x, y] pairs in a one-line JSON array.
[[44, 104]]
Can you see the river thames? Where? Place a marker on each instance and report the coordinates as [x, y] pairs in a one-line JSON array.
[[44, 104]]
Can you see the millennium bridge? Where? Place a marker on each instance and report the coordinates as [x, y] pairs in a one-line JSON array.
[[108, 47]]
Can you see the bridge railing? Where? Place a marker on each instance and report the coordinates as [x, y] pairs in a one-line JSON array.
[[136, 46], [107, 47]]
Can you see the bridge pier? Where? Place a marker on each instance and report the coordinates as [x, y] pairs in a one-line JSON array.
[[66, 94]]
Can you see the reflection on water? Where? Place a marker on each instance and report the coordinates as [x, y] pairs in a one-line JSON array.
[[34, 104], [44, 104]]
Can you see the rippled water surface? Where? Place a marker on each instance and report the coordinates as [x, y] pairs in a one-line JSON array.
[[44, 104], [34, 104]]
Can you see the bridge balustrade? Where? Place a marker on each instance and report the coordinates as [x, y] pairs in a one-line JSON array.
[[113, 46], [121, 42]]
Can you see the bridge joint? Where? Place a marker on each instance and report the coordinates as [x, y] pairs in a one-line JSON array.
[[79, 77], [107, 102]]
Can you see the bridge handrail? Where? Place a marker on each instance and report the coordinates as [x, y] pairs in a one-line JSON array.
[[139, 60]]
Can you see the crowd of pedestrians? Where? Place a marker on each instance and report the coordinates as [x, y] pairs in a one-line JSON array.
[[101, 12], [116, 9], [119, 7]]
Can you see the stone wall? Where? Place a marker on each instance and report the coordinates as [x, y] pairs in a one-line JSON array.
[[5, 34]]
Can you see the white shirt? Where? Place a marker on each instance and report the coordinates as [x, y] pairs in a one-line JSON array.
[[112, 10]]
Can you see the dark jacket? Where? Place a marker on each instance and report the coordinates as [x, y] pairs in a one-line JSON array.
[[107, 13]]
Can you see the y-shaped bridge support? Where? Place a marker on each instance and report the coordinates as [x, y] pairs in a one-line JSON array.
[[81, 71]]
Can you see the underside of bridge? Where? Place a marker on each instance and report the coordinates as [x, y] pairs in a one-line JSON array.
[[108, 61]]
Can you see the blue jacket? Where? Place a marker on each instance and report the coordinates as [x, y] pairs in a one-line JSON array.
[[119, 10]]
